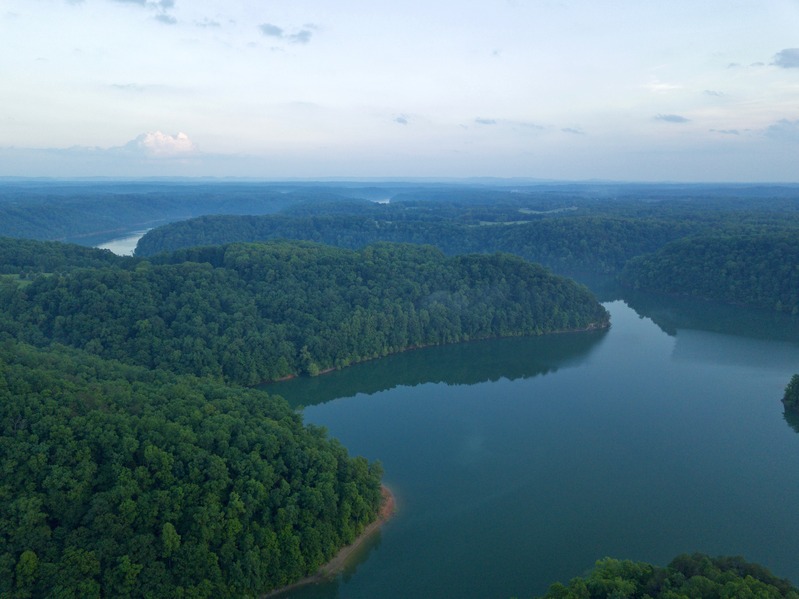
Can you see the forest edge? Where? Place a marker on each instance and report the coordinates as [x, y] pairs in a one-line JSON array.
[[341, 559]]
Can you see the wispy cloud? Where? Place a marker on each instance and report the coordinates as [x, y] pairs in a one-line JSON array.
[[208, 23], [162, 6], [127, 87], [573, 131], [714, 93], [166, 19], [302, 36], [671, 118], [658, 87], [482, 121], [787, 59], [402, 119], [726, 131]]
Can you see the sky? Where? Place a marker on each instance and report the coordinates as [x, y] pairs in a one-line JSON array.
[[625, 90]]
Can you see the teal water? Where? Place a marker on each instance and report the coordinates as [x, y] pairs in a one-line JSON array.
[[520, 462]]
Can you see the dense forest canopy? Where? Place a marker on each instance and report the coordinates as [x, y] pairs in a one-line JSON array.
[[257, 312], [575, 243], [748, 268], [573, 231], [686, 577], [26, 257], [121, 481]]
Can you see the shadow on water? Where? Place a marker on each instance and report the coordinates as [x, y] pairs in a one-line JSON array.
[[461, 364], [792, 418], [673, 313]]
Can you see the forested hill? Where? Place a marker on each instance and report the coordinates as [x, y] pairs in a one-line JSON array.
[[26, 258], [749, 268], [52, 210], [120, 481], [575, 244], [257, 312], [572, 231]]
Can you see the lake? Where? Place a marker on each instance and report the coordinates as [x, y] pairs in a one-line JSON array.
[[520, 462]]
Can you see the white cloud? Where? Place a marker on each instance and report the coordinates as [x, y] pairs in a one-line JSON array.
[[161, 144]]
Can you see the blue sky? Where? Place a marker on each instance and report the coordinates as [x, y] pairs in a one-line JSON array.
[[639, 90]]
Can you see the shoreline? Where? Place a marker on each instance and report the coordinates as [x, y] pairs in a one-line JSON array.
[[339, 561], [592, 327]]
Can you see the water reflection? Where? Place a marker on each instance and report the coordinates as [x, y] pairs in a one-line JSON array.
[[792, 418], [699, 347], [462, 364], [672, 314]]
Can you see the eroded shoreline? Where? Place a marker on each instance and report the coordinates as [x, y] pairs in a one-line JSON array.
[[339, 561]]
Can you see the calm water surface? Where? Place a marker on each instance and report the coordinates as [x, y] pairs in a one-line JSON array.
[[123, 246], [520, 462]]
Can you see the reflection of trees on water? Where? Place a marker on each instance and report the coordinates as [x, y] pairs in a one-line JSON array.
[[673, 313], [792, 418], [461, 364]]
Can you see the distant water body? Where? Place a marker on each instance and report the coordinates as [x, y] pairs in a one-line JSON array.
[[123, 246]]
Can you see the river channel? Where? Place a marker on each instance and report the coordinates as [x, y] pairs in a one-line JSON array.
[[520, 462]]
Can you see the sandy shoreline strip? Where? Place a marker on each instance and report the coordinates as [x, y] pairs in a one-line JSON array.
[[336, 565]]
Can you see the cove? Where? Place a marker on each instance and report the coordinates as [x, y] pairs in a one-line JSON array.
[[519, 462]]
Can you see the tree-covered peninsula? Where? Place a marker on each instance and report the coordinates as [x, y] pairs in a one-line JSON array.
[[686, 577], [119, 481], [249, 313]]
